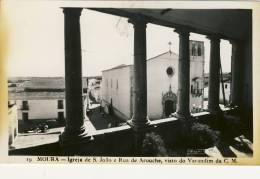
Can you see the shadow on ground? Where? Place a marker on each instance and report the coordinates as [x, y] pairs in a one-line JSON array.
[[101, 120]]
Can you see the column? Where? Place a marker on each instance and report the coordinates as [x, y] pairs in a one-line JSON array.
[[139, 119], [183, 103], [73, 76], [235, 73], [214, 75]]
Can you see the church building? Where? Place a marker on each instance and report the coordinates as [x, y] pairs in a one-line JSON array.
[[162, 85]]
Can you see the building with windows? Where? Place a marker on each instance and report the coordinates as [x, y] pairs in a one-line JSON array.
[[33, 107], [39, 97], [162, 85], [224, 88]]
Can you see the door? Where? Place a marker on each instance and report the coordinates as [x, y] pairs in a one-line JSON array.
[[25, 116], [170, 108], [61, 118]]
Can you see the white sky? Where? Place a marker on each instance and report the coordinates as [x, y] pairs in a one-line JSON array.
[[37, 41]]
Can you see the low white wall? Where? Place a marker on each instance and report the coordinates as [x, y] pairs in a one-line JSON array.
[[119, 91], [12, 123]]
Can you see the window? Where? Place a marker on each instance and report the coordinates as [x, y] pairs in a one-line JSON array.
[[117, 84], [60, 104], [25, 105], [225, 86], [107, 82], [170, 71], [199, 50], [60, 116], [61, 119], [193, 50], [196, 88]]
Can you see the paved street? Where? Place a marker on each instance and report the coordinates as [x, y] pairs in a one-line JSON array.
[[95, 121], [101, 120]]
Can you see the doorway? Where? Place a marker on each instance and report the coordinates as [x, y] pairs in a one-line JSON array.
[[170, 107], [25, 116], [61, 119]]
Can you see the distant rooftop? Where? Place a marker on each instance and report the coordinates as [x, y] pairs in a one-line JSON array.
[[226, 78], [118, 67], [39, 87], [155, 57]]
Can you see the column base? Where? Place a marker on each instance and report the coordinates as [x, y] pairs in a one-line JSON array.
[[182, 116], [139, 132], [139, 126], [233, 106], [215, 111], [71, 138]]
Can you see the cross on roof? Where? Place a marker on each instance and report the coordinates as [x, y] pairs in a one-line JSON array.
[[170, 44]]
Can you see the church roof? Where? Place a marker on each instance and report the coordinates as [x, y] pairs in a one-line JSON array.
[[226, 78], [153, 58], [117, 67], [163, 54]]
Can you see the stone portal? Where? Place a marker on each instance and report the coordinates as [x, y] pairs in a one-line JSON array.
[[169, 101]]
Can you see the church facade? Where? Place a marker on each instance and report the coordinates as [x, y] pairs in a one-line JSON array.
[[162, 85]]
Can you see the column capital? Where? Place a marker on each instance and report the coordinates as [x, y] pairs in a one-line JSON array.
[[214, 38], [182, 30], [138, 21], [235, 42], [76, 12], [232, 42]]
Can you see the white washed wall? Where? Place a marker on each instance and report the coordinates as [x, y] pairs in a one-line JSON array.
[[41, 109], [227, 92], [196, 70], [159, 82], [120, 96]]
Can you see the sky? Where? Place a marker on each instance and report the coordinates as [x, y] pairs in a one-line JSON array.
[[37, 41]]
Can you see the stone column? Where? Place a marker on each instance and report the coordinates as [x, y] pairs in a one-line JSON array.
[[214, 75], [74, 128], [236, 73], [183, 103], [139, 119]]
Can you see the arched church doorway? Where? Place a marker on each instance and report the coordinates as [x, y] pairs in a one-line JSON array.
[[169, 101], [170, 107]]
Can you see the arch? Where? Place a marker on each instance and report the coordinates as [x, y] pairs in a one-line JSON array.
[[169, 102]]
